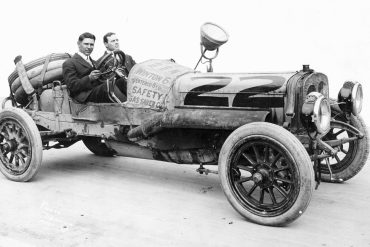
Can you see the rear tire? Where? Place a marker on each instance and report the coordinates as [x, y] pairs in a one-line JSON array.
[[20, 145], [266, 174]]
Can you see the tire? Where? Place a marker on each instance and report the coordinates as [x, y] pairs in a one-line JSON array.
[[273, 189], [34, 73], [36, 81], [38, 62], [352, 156], [20, 146], [21, 96], [97, 147]]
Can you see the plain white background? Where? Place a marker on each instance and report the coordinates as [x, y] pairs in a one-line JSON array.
[[333, 37]]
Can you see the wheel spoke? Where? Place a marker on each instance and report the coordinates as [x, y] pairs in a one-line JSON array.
[[282, 192], [284, 180], [276, 158], [24, 152], [272, 196], [8, 129], [245, 168], [21, 146], [258, 158], [337, 158], [11, 157], [338, 133], [243, 180], [23, 138], [249, 159], [265, 154], [21, 154], [18, 131], [252, 190], [343, 150], [16, 160], [20, 160], [6, 135], [262, 195], [281, 169]]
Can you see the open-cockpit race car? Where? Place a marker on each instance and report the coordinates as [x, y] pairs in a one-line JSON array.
[[274, 136]]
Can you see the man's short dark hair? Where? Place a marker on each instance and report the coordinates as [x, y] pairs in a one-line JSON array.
[[105, 38], [86, 36]]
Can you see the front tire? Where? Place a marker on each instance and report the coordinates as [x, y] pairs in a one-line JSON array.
[[20, 145], [266, 174], [352, 156]]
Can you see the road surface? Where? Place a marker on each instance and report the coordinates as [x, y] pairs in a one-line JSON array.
[[79, 199]]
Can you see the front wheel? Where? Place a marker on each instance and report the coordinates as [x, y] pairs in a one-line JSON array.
[[266, 174], [20, 145], [351, 156]]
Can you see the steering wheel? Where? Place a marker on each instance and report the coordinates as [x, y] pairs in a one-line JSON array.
[[109, 64]]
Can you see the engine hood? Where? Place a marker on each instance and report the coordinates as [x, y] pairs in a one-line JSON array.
[[231, 89], [163, 84]]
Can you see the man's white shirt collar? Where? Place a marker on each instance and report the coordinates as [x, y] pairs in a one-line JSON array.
[[83, 55]]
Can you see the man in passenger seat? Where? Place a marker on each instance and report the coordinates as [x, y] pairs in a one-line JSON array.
[[81, 75]]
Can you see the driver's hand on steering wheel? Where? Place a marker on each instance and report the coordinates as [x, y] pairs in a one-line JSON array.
[[94, 75], [120, 72]]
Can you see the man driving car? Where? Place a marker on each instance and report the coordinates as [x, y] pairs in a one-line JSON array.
[[111, 43]]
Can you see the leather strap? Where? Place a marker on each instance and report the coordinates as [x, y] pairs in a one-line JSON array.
[[47, 60]]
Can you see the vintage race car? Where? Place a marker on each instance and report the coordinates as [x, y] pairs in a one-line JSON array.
[[274, 136]]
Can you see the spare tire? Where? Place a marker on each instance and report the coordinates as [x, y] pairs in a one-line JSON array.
[[34, 72], [21, 96]]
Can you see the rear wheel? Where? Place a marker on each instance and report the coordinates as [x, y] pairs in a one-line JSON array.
[[20, 145], [96, 146], [266, 174]]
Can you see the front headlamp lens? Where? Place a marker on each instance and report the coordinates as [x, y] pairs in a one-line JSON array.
[[324, 116], [357, 96], [316, 113], [350, 98]]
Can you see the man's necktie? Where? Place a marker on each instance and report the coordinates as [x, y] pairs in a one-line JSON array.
[[89, 60]]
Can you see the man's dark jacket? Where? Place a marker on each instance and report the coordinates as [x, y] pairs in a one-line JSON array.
[[76, 72]]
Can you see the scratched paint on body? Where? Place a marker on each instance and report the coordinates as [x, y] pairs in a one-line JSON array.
[[150, 82]]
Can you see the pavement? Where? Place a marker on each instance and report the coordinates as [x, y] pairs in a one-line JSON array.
[[79, 199]]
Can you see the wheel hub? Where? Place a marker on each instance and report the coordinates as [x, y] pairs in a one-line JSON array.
[[262, 177], [257, 177], [10, 145]]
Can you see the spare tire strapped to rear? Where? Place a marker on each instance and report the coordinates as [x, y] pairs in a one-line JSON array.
[[21, 96], [40, 72], [51, 75], [36, 72], [38, 62]]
